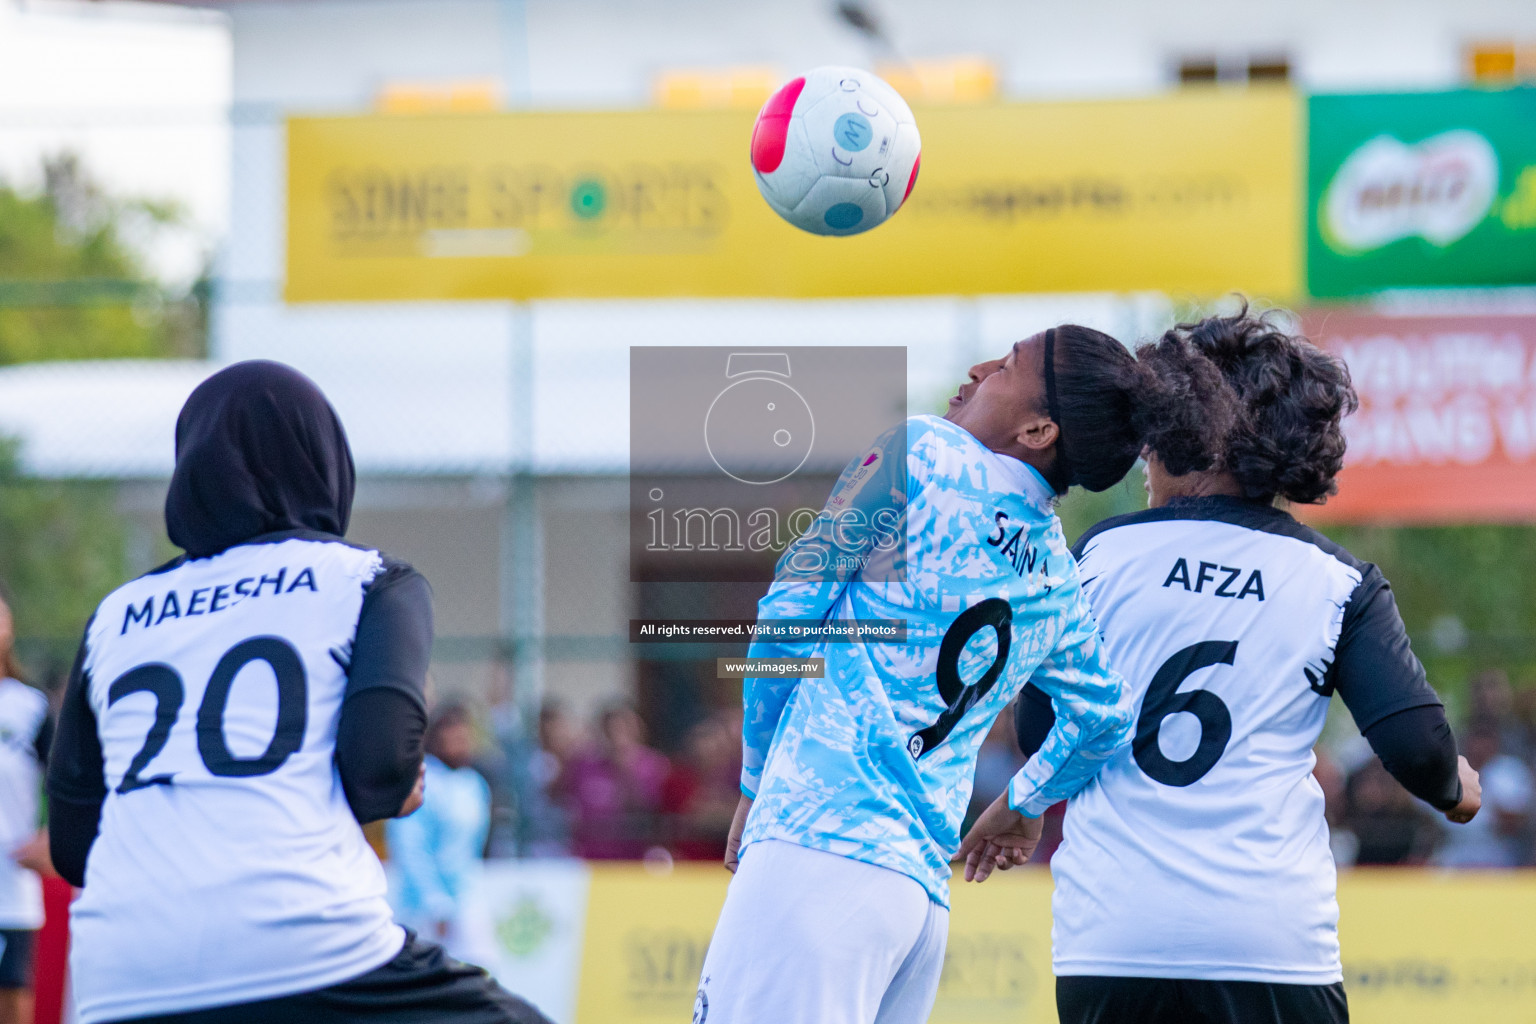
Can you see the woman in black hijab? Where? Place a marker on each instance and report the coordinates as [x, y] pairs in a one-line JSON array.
[[259, 450], [224, 887]]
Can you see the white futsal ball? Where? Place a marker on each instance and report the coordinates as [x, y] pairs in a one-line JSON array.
[[836, 152]]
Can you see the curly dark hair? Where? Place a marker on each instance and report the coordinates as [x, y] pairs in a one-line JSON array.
[[1167, 397], [1288, 440], [1187, 410]]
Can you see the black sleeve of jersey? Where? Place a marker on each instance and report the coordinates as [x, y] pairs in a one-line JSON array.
[[1374, 669], [379, 739], [1419, 749], [394, 634], [379, 749], [77, 784], [1033, 718], [72, 829]]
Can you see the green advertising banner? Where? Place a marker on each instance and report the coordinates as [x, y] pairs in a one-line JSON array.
[[1421, 190]]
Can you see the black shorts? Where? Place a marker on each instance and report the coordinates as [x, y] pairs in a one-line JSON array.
[[16, 958], [1095, 1000], [423, 985]]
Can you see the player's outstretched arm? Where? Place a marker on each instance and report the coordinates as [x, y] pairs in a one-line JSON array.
[[1092, 717], [1384, 686], [1002, 838]]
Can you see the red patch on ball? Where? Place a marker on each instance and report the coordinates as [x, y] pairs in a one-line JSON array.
[[771, 132], [912, 180]]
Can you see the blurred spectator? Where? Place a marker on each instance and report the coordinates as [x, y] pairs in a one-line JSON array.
[[702, 790], [436, 852], [546, 820], [614, 790], [1491, 701], [1495, 838], [527, 768], [1389, 825], [504, 762], [25, 731], [1523, 712]]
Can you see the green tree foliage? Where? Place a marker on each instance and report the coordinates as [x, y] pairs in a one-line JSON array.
[[61, 551], [74, 285], [71, 284], [1467, 594]]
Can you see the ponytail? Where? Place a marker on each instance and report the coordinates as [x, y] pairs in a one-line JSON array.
[[1110, 405]]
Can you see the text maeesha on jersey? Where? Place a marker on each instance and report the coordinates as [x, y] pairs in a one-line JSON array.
[[217, 598]]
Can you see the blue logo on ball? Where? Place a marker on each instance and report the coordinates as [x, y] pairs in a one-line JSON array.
[[843, 216], [853, 132]]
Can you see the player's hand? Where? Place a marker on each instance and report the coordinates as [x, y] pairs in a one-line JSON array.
[[418, 795], [733, 838], [1002, 838], [1471, 794], [33, 855]]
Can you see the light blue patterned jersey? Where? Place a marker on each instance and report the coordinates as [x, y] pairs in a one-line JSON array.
[[875, 760]]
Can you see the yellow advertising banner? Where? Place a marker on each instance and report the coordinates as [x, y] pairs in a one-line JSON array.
[[1428, 947], [1195, 193], [1419, 947], [645, 940]]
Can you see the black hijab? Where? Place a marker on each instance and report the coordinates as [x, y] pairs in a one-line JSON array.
[[258, 450]]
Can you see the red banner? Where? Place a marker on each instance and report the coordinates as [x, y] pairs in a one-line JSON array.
[[1446, 430]]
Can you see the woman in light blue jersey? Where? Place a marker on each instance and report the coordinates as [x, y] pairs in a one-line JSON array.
[[855, 782]]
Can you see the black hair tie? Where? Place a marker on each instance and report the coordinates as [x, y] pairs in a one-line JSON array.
[[1053, 406]]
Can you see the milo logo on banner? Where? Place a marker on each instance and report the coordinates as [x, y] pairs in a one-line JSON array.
[[1421, 190], [1439, 190]]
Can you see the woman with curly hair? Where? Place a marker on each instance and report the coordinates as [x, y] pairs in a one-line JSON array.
[[1195, 881]]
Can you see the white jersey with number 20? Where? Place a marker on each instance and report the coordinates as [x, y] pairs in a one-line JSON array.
[[228, 867]]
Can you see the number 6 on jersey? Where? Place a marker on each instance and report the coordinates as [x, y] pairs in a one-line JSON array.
[[1163, 700]]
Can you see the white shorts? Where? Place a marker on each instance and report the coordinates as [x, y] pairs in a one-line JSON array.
[[807, 937]]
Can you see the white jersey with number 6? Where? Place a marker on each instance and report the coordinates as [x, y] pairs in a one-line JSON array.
[[228, 867], [1201, 850]]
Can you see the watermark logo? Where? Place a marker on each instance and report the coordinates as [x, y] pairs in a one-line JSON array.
[[735, 453], [759, 429]]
